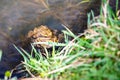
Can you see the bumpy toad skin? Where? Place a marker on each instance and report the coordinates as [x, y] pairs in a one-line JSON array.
[[42, 34]]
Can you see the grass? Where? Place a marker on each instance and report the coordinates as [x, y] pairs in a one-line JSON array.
[[92, 55]]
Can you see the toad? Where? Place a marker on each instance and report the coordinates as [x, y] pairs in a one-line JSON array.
[[42, 34]]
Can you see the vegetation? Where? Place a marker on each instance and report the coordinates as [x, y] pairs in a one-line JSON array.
[[92, 55]]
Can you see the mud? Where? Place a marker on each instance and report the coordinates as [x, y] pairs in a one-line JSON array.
[[17, 17]]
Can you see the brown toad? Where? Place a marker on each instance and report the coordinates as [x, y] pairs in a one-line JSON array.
[[42, 34]]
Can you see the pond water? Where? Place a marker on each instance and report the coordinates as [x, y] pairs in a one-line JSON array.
[[17, 17]]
